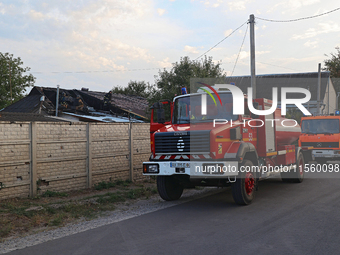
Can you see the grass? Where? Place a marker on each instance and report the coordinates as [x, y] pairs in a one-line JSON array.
[[107, 185], [49, 193], [54, 209]]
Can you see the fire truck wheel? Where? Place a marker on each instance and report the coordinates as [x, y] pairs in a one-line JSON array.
[[299, 174], [296, 175], [243, 190], [168, 188]]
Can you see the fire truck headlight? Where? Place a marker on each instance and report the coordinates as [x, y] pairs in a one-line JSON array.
[[151, 168]]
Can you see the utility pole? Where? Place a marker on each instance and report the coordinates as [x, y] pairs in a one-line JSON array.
[[319, 89], [10, 81], [252, 53], [57, 102], [328, 82]]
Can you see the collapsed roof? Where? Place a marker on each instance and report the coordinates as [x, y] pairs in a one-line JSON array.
[[42, 100]]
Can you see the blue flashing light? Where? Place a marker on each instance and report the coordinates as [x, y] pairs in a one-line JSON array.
[[184, 90]]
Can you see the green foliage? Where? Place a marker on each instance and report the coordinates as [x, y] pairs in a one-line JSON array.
[[333, 64], [49, 193], [137, 88], [169, 83], [106, 185], [295, 114], [12, 77], [57, 221], [5, 229]]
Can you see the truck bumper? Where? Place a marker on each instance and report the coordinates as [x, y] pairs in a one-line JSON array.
[[326, 154], [195, 169]]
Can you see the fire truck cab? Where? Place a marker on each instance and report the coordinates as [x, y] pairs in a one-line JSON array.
[[321, 136]]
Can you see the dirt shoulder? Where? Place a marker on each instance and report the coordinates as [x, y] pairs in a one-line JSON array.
[[23, 216]]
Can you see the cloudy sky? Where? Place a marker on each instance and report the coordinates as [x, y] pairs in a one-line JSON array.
[[99, 44]]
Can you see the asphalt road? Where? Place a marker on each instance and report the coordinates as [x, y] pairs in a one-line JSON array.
[[284, 219]]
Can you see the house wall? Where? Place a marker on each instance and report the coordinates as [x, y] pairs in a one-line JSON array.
[[40, 156]]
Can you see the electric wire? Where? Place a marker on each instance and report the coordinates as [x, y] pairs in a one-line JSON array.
[[108, 71], [238, 55], [278, 66], [304, 18], [222, 40]]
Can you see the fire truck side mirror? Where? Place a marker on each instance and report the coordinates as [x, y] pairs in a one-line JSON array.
[[160, 112], [160, 115]]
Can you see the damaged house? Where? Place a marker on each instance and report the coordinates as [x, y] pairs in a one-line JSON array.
[[80, 105]]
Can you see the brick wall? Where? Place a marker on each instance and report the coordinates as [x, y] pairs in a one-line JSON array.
[[35, 157]]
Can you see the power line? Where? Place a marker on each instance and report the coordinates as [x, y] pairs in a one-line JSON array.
[[238, 55], [107, 71], [293, 20], [278, 66], [222, 40]]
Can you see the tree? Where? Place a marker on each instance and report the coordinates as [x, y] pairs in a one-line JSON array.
[[138, 88], [13, 81], [295, 114], [169, 83], [333, 64]]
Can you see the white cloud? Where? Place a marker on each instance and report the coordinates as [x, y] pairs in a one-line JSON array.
[[228, 32], [165, 63], [294, 4], [243, 55], [310, 44], [190, 49], [132, 34], [237, 6], [2, 9], [160, 11], [324, 28], [36, 15]]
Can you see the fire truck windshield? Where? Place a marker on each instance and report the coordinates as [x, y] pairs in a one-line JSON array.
[[320, 126], [188, 109]]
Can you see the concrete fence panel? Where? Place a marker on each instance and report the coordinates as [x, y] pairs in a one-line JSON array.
[[40, 156]]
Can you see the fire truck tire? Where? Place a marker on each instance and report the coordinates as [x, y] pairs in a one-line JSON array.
[[243, 190], [297, 175], [168, 188]]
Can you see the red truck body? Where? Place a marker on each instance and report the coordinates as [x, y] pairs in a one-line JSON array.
[[238, 150]]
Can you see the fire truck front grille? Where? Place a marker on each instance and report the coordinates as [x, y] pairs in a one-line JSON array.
[[321, 144], [182, 142]]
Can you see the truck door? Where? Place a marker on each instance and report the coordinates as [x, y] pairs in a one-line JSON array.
[[161, 114]]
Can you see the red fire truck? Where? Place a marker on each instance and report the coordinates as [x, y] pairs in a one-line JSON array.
[[219, 148]]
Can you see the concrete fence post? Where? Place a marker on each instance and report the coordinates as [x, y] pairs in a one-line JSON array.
[[33, 159], [131, 150], [88, 155]]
